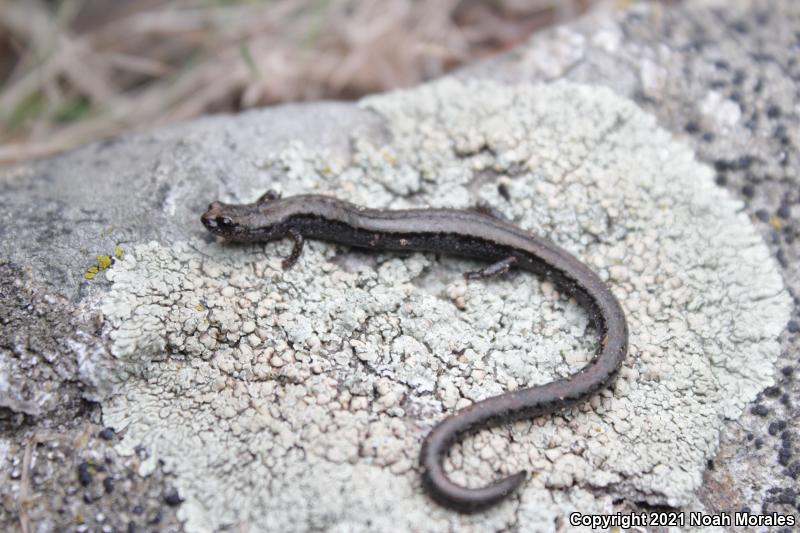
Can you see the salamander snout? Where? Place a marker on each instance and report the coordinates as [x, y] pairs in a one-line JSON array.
[[215, 219]]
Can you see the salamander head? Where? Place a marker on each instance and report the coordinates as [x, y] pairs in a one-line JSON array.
[[259, 221]]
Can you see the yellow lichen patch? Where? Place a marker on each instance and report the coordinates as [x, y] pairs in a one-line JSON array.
[[775, 222], [106, 231], [104, 261], [91, 272], [199, 307]]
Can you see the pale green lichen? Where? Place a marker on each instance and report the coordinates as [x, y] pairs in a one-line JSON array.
[[294, 400]]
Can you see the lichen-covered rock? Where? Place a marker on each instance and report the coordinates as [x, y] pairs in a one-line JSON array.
[[266, 390], [261, 399]]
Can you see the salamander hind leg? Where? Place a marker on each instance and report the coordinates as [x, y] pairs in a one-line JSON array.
[[297, 249], [495, 269]]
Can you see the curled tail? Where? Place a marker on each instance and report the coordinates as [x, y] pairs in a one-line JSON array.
[[506, 407]]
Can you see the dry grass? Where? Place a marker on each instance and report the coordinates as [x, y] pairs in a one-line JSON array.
[[72, 71]]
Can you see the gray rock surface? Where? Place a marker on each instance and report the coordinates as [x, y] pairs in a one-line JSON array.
[[297, 400]]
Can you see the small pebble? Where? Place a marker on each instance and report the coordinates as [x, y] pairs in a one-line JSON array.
[[84, 476], [156, 518], [172, 498], [776, 427]]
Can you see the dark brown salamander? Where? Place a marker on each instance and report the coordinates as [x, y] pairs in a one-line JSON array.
[[464, 233]]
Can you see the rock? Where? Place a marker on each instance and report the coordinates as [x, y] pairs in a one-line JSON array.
[[117, 295]]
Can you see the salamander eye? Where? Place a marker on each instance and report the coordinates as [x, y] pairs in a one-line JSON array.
[[268, 196], [214, 222]]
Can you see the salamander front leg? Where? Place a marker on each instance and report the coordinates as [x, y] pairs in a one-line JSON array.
[[297, 249], [495, 269]]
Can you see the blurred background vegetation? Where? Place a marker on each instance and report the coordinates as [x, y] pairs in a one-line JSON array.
[[73, 71]]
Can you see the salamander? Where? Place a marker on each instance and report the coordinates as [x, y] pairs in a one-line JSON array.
[[476, 234]]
